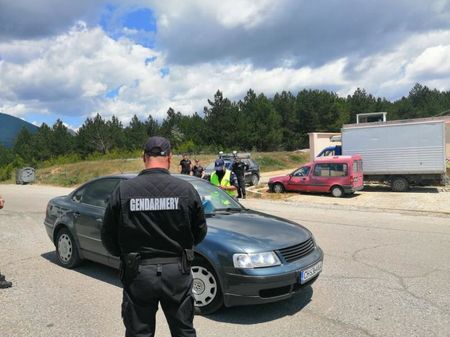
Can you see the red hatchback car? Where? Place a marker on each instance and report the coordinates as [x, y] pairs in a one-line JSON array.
[[338, 175]]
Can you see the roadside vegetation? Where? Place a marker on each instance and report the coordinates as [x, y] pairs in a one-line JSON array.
[[256, 124], [76, 173]]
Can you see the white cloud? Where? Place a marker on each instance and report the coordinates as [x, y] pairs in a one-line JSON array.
[[432, 62], [17, 110], [229, 14], [72, 73], [422, 58]]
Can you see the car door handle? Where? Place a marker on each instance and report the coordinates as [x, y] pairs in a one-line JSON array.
[[99, 220]]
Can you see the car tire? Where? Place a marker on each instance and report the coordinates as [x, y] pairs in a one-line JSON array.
[[399, 184], [206, 289], [67, 249], [278, 188], [254, 180], [337, 192]]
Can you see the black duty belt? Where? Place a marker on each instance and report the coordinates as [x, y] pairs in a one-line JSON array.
[[160, 260]]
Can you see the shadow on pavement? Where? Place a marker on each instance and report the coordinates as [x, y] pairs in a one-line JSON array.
[[254, 314], [385, 188], [91, 269], [239, 315], [268, 195]]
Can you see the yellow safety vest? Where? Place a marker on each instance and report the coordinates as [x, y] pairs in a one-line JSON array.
[[226, 181]]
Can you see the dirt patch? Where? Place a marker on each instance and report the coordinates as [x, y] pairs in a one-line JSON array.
[[421, 199]]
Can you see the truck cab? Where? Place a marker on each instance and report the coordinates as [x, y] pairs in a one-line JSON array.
[[335, 150]]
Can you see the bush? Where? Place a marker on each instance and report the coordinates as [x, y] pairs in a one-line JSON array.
[[268, 163], [6, 172], [61, 160], [114, 154], [187, 147]]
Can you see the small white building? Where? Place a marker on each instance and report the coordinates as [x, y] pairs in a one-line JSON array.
[[320, 140]]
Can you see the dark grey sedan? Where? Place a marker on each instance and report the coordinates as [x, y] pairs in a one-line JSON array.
[[247, 257]]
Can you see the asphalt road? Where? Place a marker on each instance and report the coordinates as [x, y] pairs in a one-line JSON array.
[[385, 274]]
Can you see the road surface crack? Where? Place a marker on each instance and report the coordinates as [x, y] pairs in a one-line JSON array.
[[400, 279]]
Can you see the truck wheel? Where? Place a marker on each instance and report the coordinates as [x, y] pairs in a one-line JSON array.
[[278, 188], [337, 192], [399, 184]]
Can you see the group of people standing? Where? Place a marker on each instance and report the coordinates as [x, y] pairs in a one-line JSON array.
[[197, 170], [230, 178]]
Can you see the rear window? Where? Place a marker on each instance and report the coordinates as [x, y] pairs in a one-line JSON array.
[[357, 166], [330, 170]]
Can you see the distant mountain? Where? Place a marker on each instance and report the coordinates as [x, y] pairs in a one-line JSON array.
[[10, 126]]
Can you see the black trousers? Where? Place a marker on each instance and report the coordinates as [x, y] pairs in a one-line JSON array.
[[171, 288], [241, 187]]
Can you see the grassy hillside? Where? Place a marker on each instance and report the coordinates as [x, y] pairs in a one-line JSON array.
[[80, 172]]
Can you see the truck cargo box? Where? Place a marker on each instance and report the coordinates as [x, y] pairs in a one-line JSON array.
[[398, 148]]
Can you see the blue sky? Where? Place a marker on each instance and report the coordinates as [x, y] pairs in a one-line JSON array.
[[138, 24], [71, 60]]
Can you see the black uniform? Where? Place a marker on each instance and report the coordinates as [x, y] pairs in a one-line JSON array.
[[197, 170], [239, 168], [157, 216], [185, 166]]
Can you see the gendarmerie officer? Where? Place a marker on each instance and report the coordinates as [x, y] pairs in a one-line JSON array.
[[152, 222], [239, 168]]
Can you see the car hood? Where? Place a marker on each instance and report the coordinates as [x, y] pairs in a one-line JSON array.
[[252, 231], [284, 178]]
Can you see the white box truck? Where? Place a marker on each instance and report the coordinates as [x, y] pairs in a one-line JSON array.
[[401, 153]]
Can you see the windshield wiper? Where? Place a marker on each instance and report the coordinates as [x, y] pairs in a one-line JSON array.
[[228, 209]]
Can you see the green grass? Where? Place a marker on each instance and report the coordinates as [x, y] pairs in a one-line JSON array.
[[76, 173], [273, 161]]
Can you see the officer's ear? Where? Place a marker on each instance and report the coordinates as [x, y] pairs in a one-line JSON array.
[[169, 159]]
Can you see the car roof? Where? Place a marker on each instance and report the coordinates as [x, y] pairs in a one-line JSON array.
[[336, 159], [131, 175]]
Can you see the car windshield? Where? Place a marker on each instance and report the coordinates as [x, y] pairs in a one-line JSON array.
[[214, 199], [302, 171]]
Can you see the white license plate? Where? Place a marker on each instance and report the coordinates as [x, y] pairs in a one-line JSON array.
[[309, 273]]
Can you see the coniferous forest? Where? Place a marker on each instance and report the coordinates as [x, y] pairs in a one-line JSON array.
[[255, 123]]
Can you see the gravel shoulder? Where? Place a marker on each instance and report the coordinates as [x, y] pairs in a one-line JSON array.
[[420, 199]]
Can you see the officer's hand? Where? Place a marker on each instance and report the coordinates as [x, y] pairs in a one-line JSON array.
[[2, 202]]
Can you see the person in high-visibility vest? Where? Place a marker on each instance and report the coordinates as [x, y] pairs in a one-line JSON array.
[[224, 178]]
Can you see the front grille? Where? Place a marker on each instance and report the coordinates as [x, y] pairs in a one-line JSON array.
[[296, 252]]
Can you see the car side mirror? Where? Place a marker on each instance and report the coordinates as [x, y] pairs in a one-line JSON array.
[[207, 206]]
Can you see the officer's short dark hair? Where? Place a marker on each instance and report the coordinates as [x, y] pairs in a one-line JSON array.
[[157, 146]]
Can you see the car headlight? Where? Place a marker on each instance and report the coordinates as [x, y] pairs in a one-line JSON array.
[[256, 260]]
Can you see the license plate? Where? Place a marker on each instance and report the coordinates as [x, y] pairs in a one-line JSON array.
[[309, 273]]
